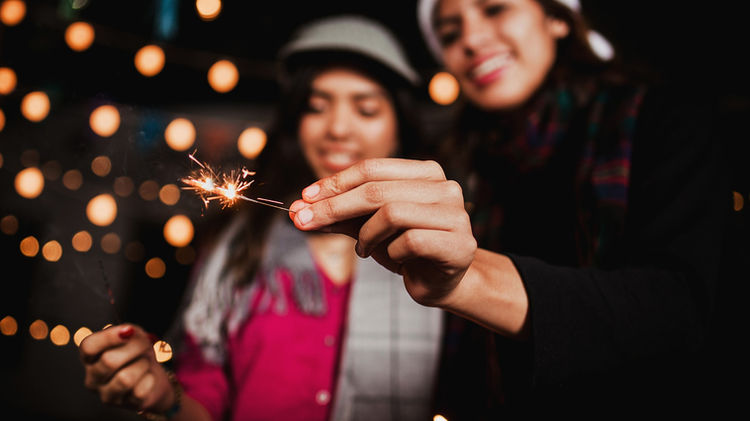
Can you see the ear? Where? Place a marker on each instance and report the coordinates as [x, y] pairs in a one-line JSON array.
[[558, 27]]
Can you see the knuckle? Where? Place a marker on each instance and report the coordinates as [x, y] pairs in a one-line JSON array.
[[453, 190], [435, 169], [109, 362], [125, 379], [373, 193], [329, 209], [391, 214], [335, 183], [412, 241], [368, 168]]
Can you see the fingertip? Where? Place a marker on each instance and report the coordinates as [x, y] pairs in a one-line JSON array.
[[297, 205], [126, 332], [311, 191]]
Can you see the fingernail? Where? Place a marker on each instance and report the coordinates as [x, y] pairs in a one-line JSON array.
[[359, 250], [304, 216], [311, 191], [297, 205], [126, 332]]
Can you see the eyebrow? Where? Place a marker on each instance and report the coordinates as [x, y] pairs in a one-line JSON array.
[[357, 96]]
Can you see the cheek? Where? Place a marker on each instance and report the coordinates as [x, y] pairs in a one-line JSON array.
[[382, 140]]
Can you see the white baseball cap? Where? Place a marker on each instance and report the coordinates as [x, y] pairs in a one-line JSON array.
[[351, 34]]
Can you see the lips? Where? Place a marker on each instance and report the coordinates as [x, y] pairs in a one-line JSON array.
[[489, 69], [337, 160]]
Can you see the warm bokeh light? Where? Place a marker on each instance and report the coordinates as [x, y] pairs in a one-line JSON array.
[[223, 76], [443, 88], [8, 326], [123, 186], [52, 170], [82, 241], [149, 60], [79, 36], [149, 190], [72, 179], [59, 335], [80, 335], [52, 251], [9, 224], [208, 9], [105, 120], [1, 160], [439, 417], [107, 326], [155, 268], [29, 182], [8, 80], [178, 231], [102, 210], [180, 134], [12, 12], [134, 251], [251, 142], [29, 246], [162, 351], [169, 194], [739, 201], [185, 255], [38, 329], [111, 243], [2, 126], [35, 106], [101, 166]]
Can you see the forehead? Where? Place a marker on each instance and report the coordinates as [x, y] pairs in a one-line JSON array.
[[344, 80]]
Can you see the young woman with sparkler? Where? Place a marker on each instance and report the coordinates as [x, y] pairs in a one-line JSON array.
[[281, 324], [590, 269]]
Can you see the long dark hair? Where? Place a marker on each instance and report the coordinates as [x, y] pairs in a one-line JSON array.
[[281, 167]]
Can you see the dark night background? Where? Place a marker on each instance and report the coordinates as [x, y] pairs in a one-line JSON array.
[[701, 46]]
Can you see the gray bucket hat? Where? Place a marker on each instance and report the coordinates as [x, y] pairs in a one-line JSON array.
[[350, 34]]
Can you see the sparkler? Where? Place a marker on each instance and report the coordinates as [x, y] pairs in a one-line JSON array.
[[227, 188], [110, 295]]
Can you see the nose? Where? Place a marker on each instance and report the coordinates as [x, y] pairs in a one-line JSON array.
[[476, 31], [340, 123]]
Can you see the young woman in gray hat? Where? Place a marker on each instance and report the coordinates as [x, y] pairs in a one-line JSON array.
[[286, 325], [585, 234]]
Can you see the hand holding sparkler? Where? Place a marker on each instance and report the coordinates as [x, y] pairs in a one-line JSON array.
[[225, 187]]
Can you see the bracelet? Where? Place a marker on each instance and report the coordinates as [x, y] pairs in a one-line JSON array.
[[174, 409]]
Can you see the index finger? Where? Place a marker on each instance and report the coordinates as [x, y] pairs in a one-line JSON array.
[[93, 345], [378, 169]]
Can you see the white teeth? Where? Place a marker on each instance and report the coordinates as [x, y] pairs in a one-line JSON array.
[[339, 158], [490, 65]]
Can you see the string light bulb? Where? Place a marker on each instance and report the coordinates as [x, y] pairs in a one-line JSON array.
[[79, 36], [8, 80], [12, 12], [149, 60], [223, 76]]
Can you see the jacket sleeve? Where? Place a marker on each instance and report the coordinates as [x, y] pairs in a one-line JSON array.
[[203, 380], [657, 302]]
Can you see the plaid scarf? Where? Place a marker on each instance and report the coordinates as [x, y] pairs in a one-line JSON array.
[[603, 172]]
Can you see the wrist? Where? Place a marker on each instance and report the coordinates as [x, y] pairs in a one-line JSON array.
[[173, 407]]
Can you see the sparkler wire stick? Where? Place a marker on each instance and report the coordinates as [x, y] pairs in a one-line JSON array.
[[109, 293]]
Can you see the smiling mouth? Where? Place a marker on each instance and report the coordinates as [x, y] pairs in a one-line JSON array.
[[338, 160], [489, 69]]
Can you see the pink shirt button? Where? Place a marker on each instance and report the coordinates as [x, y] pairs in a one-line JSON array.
[[323, 397]]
